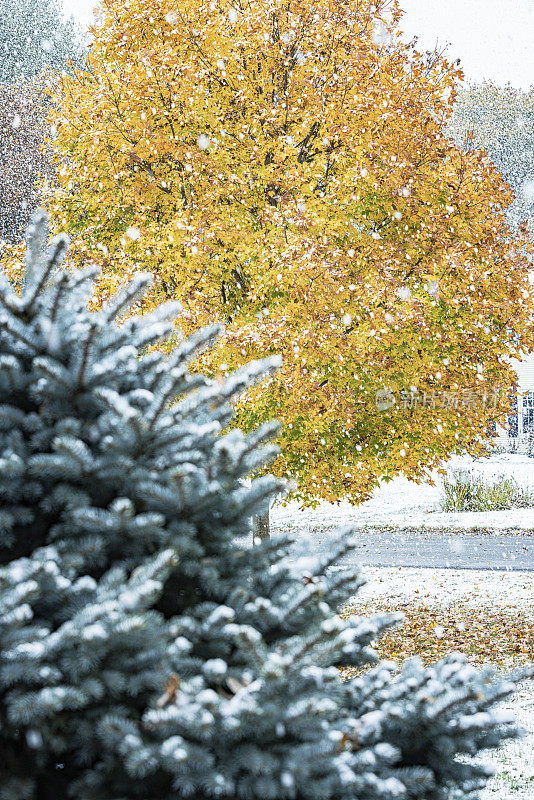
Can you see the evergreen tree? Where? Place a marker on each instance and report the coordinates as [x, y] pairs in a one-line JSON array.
[[34, 35], [145, 650]]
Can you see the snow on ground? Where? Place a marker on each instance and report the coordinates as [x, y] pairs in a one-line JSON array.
[[443, 586], [513, 763], [402, 503]]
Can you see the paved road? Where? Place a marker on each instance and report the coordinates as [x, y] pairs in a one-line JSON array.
[[440, 550]]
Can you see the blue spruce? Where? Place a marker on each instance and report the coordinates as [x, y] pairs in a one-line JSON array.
[[146, 650]]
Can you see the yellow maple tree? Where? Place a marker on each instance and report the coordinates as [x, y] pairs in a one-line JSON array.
[[282, 167]]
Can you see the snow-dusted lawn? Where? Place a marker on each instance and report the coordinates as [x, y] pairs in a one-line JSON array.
[[404, 504], [514, 763], [443, 586]]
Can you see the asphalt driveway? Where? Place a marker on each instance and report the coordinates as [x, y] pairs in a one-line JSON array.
[[454, 550]]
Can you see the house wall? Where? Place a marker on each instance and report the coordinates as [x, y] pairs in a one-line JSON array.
[[525, 373], [524, 425]]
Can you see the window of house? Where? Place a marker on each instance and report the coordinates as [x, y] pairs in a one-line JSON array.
[[528, 412], [512, 418]]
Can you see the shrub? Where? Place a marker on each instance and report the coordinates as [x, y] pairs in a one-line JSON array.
[[464, 490]]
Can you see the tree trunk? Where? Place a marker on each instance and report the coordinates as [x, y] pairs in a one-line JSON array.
[[261, 527]]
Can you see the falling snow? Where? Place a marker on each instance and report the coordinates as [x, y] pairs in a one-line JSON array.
[[133, 233], [384, 266]]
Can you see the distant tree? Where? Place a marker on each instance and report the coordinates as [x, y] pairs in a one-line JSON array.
[[36, 42], [500, 120], [24, 159], [35, 35]]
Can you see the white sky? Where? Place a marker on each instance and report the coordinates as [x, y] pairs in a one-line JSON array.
[[493, 38]]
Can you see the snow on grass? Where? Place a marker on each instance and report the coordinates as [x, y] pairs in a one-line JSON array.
[[404, 504], [443, 586], [486, 614], [497, 592], [514, 762]]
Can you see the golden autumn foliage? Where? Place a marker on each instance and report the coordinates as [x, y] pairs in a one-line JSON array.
[[282, 167], [490, 633]]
